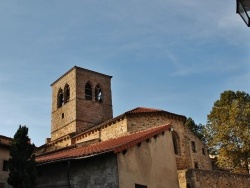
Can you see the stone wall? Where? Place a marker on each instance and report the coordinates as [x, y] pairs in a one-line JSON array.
[[138, 122], [199, 156], [196, 178], [193, 153], [99, 172], [80, 114], [118, 128], [185, 158]]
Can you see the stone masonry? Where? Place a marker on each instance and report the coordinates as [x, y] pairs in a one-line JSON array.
[[79, 114]]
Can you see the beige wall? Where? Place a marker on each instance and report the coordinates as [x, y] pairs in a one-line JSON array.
[[152, 164], [4, 155]]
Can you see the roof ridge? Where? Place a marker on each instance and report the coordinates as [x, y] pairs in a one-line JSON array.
[[116, 145]]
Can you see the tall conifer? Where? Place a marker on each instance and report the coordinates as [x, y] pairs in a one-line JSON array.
[[22, 165]]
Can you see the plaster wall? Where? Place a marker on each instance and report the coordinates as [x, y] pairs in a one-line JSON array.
[[151, 164], [4, 156]]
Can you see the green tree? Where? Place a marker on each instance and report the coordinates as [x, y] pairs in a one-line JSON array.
[[228, 130], [198, 130], [22, 165]]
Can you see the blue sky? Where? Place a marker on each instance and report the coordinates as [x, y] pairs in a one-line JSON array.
[[175, 55]]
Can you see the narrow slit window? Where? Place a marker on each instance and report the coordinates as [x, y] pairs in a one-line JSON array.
[[193, 145], [176, 143], [196, 165], [203, 151], [5, 165]]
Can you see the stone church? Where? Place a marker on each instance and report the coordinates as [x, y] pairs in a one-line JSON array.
[[141, 148]]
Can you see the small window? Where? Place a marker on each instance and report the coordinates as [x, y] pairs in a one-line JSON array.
[[60, 98], [203, 151], [196, 165], [66, 93], [140, 186], [193, 146], [62, 115], [5, 165], [88, 91], [98, 94]]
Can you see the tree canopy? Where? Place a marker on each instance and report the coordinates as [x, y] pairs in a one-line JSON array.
[[22, 165], [228, 130], [198, 130]]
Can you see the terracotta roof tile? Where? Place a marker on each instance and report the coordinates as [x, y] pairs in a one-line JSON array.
[[143, 110], [112, 145], [137, 110]]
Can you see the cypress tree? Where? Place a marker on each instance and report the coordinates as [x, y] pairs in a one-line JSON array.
[[22, 165]]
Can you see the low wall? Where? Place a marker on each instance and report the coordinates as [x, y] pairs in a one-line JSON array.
[[196, 178]]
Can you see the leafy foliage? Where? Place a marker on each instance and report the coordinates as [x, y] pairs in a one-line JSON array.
[[198, 130], [22, 163], [228, 130]]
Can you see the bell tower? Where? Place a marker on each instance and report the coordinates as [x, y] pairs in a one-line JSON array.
[[81, 99]]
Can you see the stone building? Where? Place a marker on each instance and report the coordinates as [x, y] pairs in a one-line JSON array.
[[5, 143], [134, 160], [143, 147]]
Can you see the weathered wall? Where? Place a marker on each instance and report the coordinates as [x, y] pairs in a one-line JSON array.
[[138, 122], [119, 128], [196, 178], [185, 158], [200, 156], [94, 172], [152, 164], [79, 114], [87, 137], [61, 126], [4, 156], [144, 121]]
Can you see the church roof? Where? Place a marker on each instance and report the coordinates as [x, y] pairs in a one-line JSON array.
[[113, 145], [143, 110], [135, 111]]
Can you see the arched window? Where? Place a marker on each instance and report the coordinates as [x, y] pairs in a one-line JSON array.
[[176, 142], [88, 91], [98, 94], [66, 93], [60, 98]]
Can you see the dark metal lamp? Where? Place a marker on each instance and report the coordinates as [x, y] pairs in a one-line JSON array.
[[243, 9]]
